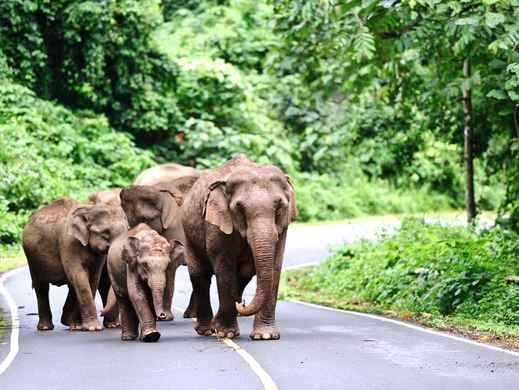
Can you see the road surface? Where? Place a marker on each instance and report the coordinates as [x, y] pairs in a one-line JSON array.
[[319, 348]]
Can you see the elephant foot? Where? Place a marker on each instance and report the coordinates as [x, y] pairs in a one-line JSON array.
[[75, 326], [128, 336], [265, 332], [111, 324], [223, 331], [45, 325], [203, 329], [91, 326], [150, 336], [169, 316]]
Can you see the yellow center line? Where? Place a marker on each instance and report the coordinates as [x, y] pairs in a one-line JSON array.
[[264, 377]]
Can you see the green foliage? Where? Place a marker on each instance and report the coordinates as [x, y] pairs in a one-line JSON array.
[[427, 268], [377, 80], [239, 33], [358, 100], [95, 55], [48, 151], [326, 197]]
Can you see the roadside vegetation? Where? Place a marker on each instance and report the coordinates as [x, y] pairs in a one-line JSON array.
[[445, 277]]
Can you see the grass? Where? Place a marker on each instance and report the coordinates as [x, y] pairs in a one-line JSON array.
[[490, 332], [442, 277], [11, 257]]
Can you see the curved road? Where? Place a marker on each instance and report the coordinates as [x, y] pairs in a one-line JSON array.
[[319, 348]]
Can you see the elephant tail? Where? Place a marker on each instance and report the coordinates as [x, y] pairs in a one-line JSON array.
[[111, 302]]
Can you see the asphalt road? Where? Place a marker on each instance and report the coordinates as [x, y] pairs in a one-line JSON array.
[[319, 348]]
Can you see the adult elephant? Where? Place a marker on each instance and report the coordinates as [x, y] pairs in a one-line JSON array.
[[66, 243], [164, 173], [235, 221], [158, 206]]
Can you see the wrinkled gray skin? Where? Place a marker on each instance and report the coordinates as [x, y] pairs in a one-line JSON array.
[[66, 243], [158, 207], [164, 173], [235, 220], [110, 197], [111, 316], [139, 266]]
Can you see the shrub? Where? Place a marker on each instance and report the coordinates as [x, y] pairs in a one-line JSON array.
[[351, 193], [428, 268], [47, 151]]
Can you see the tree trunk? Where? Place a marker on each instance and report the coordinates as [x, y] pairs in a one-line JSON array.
[[470, 203]]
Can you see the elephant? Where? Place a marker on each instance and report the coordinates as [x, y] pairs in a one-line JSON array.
[[158, 207], [163, 174], [235, 220], [66, 242], [139, 267], [110, 317], [106, 197]]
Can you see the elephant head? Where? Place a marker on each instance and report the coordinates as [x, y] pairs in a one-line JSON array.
[[148, 256], [110, 197], [158, 205], [258, 203], [97, 226]]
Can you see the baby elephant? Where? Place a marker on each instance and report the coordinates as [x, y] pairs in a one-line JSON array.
[[139, 266]]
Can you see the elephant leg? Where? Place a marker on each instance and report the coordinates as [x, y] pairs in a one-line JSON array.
[[168, 293], [224, 323], [143, 304], [71, 316], [129, 320], [265, 327], [204, 313], [190, 312], [85, 297], [44, 312], [201, 281], [111, 318]]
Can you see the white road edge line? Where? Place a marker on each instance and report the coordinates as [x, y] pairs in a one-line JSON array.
[[411, 326], [264, 377], [401, 323], [15, 321]]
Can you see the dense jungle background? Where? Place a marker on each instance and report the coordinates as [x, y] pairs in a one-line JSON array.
[[360, 101]]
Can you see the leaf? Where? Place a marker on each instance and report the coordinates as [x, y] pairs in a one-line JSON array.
[[493, 19], [497, 94]]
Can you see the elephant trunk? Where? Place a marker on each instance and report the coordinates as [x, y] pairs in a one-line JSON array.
[[111, 302], [262, 238], [158, 286]]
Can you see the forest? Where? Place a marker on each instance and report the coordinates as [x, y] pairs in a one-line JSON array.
[[366, 104], [360, 101]]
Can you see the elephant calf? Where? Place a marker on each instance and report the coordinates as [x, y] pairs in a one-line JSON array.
[[66, 243], [139, 266]]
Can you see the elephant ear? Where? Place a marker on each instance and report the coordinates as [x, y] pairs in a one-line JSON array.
[[216, 210], [79, 224], [131, 251], [170, 209], [292, 205]]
